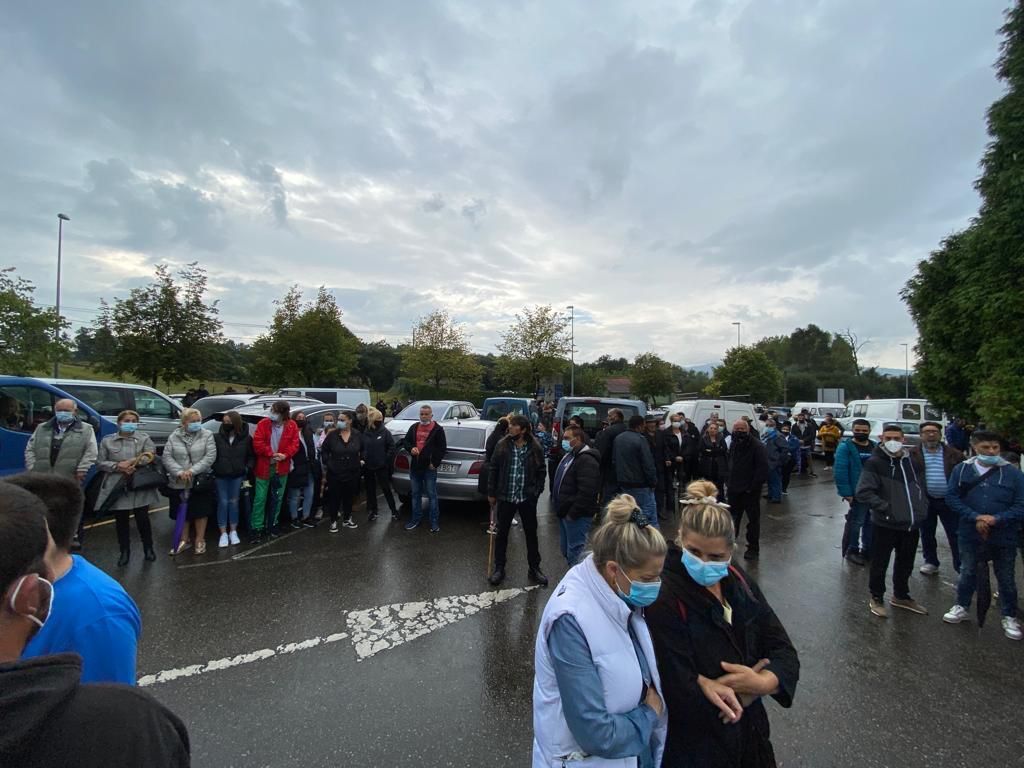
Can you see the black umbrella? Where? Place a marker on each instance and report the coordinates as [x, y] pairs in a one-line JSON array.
[[120, 489], [984, 583]]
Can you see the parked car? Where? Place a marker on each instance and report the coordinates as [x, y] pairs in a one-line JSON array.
[[159, 415], [911, 429], [782, 411], [252, 414], [818, 411], [444, 411], [698, 411], [459, 474], [593, 411], [220, 403], [496, 407], [328, 395]]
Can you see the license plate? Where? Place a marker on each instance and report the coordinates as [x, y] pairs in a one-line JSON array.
[[447, 468]]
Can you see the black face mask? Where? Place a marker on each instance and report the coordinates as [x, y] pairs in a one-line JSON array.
[[741, 436], [300, 423], [227, 427], [860, 438]]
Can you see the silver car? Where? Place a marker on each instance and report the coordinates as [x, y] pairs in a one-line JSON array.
[[458, 476], [454, 411]]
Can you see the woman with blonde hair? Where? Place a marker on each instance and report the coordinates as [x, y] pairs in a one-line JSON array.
[[188, 458], [720, 646], [596, 691]]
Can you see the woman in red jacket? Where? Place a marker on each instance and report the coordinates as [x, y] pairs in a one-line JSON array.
[[275, 442]]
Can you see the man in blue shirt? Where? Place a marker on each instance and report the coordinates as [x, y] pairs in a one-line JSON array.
[[850, 458], [97, 619]]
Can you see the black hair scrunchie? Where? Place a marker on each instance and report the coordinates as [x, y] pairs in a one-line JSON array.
[[637, 516]]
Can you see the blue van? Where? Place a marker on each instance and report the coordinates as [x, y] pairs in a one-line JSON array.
[[25, 403], [496, 407]]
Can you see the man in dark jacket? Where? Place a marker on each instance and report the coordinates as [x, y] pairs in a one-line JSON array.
[[378, 453], [934, 462], [805, 429], [851, 456], [748, 470], [677, 446], [604, 443], [956, 435], [893, 491], [777, 452], [514, 481], [575, 492], [50, 718], [656, 440], [635, 472], [427, 444]]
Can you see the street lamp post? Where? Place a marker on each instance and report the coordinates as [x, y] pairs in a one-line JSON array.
[[61, 218], [738, 342], [906, 366], [572, 350]]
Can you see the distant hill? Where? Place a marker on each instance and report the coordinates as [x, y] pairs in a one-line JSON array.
[[708, 368]]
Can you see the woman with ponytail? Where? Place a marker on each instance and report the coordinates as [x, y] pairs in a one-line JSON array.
[[720, 646], [596, 693]]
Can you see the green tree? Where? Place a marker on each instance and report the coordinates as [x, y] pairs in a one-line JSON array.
[[440, 354], [651, 376], [535, 347], [966, 297], [686, 381], [379, 364], [31, 339], [747, 371], [307, 344], [165, 330], [590, 381]]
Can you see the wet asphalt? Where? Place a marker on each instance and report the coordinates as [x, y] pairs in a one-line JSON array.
[[303, 675]]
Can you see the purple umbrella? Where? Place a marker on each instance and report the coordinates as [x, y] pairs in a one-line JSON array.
[[181, 516]]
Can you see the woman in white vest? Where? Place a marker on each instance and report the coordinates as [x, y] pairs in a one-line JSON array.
[[596, 691]]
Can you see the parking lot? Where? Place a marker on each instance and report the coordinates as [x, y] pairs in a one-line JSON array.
[[378, 646]]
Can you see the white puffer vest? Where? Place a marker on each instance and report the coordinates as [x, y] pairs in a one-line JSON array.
[[603, 617]]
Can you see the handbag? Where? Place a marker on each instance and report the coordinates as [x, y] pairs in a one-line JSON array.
[[200, 483], [148, 476]]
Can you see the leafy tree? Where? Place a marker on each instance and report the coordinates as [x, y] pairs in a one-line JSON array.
[[488, 366], [306, 344], [30, 339], [535, 347], [440, 353], [379, 364], [590, 381], [966, 297], [234, 362], [165, 330], [651, 376], [747, 371], [612, 365], [689, 382]]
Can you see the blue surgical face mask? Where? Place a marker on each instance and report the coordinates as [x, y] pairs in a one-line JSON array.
[[64, 417], [328, 425], [989, 461], [641, 593], [194, 426], [129, 427], [566, 445], [704, 573], [276, 418], [677, 425], [770, 432], [342, 424]]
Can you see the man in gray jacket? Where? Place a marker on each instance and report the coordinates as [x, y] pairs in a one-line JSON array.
[[64, 445], [634, 468]]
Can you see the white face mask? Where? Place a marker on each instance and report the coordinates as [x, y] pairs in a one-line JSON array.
[[894, 446], [45, 613]]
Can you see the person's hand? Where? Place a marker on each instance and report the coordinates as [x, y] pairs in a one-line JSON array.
[[723, 697], [492, 500], [123, 466], [278, 457], [749, 680], [129, 470], [848, 500], [415, 451], [679, 459], [653, 700], [80, 475], [432, 467], [185, 475], [990, 520], [668, 463], [982, 527]]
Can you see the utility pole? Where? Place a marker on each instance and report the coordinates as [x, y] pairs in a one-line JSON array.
[[61, 218], [906, 365], [572, 350], [738, 342]]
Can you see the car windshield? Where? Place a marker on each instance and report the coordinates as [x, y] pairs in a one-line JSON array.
[[412, 411], [495, 409], [211, 405]]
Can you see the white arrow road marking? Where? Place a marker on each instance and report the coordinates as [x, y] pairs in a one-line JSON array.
[[372, 631]]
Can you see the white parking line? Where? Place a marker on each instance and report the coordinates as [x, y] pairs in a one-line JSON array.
[[372, 630], [231, 560]]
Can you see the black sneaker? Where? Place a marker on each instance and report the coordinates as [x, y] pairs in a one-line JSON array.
[[538, 577], [256, 537], [350, 523], [497, 577], [435, 529], [274, 533], [856, 557], [309, 522], [394, 515], [296, 524], [372, 517], [751, 554]]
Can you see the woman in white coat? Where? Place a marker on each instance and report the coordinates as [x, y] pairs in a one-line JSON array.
[[596, 692]]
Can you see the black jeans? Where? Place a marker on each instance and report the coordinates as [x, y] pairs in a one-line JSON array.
[[141, 522], [787, 473], [552, 468], [528, 515], [749, 503], [340, 494], [939, 510], [373, 478], [885, 541]]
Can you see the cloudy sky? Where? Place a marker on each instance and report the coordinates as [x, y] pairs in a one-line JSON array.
[[667, 167]]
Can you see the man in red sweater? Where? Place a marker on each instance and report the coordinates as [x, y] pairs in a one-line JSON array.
[[275, 442]]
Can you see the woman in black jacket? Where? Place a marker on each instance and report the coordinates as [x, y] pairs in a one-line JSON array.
[[304, 477], [378, 457], [714, 458], [342, 456], [235, 460], [719, 644]]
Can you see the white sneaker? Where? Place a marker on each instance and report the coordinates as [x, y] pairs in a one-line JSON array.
[[223, 541], [956, 614], [928, 569], [1011, 627], [233, 538]]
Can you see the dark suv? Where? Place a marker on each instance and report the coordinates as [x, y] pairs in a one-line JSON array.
[[593, 411]]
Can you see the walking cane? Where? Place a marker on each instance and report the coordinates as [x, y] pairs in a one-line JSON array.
[[490, 544]]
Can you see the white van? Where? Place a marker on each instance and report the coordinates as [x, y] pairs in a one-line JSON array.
[[698, 411], [351, 397], [819, 410], [900, 409]]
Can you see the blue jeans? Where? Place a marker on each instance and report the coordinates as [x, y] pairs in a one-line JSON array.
[[1003, 559], [775, 484], [647, 502], [858, 520], [307, 500], [228, 489], [424, 480], [938, 511], [572, 537]]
